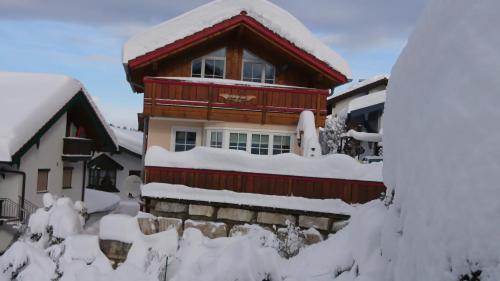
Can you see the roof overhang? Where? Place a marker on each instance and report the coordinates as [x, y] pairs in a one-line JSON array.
[[381, 82], [226, 25]]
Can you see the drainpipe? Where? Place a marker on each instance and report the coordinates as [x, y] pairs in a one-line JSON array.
[[23, 190], [83, 180]]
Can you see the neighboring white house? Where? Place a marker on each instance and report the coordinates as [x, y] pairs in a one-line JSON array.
[[50, 127], [111, 171]]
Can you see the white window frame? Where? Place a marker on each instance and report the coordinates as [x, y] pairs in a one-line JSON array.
[[238, 132], [259, 148], [257, 60], [281, 135], [210, 57], [209, 138], [174, 131]]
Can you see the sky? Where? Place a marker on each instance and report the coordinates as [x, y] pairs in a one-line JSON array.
[[84, 39]]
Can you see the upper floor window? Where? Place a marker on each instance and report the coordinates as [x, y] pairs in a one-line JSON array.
[[185, 140], [256, 69], [210, 66]]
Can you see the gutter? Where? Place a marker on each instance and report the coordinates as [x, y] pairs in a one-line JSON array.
[[23, 190]]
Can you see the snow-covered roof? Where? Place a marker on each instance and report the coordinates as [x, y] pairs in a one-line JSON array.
[[28, 101], [334, 166], [268, 14], [363, 136], [181, 192], [130, 140], [366, 101], [355, 86]]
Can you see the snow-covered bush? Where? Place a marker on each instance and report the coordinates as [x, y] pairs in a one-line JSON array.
[[441, 142], [290, 240], [335, 126]]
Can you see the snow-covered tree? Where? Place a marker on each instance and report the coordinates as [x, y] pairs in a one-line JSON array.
[[335, 126]]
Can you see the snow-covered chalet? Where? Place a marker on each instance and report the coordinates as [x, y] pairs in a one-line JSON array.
[[50, 128], [242, 76]]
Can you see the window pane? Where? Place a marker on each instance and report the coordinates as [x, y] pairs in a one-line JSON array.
[[179, 147], [260, 144], [209, 68], [249, 56], [257, 72], [219, 69], [269, 74], [180, 137], [221, 53], [216, 139], [238, 141], [185, 140], [247, 71], [196, 68], [191, 138], [281, 144]]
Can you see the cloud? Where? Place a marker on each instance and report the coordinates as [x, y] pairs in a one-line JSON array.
[[346, 24]]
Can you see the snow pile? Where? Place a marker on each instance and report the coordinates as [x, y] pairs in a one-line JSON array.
[[59, 219], [367, 101], [268, 14], [181, 192], [130, 140], [363, 136], [40, 96], [338, 166], [307, 135], [218, 81], [100, 201], [442, 152], [24, 262]]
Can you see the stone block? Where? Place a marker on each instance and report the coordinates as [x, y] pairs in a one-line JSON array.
[[320, 223], [240, 230], [311, 236], [201, 210], [171, 207], [274, 218], [338, 225], [148, 225], [209, 229], [233, 214], [116, 251], [165, 224]]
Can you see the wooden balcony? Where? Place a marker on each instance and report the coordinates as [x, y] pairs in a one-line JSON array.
[[77, 149], [231, 102]]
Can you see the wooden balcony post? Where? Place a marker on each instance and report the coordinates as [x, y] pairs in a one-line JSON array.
[[264, 97], [210, 101]]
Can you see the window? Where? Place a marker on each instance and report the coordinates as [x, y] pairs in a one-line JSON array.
[[42, 180], [238, 141], [185, 140], [210, 66], [216, 139], [134, 173], [281, 144], [67, 177], [260, 144], [257, 70]]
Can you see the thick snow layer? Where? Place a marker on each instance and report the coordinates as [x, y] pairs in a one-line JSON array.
[[163, 190], [39, 96], [338, 166], [363, 136], [29, 262], [130, 140], [119, 227], [366, 101], [306, 130], [273, 17], [100, 201], [356, 85], [441, 146]]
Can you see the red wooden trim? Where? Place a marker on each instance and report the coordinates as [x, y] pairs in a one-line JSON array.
[[231, 23], [181, 102], [283, 177], [239, 87]]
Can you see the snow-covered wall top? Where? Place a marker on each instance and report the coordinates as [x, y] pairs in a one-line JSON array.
[[363, 136], [337, 166], [441, 146], [181, 192], [28, 101], [367, 101], [273, 17], [130, 140]]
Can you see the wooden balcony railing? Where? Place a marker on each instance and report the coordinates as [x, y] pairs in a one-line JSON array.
[[204, 100], [77, 149]]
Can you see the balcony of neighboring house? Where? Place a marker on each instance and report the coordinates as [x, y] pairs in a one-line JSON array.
[[77, 149], [231, 101]]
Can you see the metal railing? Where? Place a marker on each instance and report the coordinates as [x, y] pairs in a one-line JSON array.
[[12, 211]]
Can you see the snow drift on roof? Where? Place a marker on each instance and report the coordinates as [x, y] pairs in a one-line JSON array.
[[366, 101], [181, 192], [29, 100], [266, 13], [355, 86], [130, 140], [336, 166]]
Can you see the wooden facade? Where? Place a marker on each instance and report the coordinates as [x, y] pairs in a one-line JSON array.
[[232, 103], [350, 191]]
